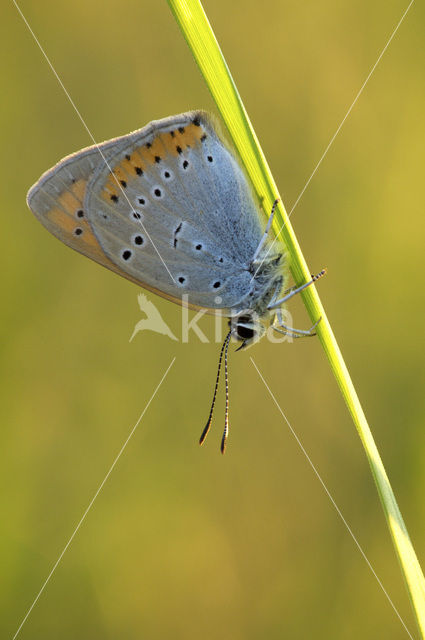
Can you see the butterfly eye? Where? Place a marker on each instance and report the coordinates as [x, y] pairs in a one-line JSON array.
[[244, 333], [244, 328]]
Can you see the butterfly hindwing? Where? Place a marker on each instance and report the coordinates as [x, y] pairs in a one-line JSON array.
[[57, 200]]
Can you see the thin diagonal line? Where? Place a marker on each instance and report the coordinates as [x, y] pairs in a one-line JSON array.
[[90, 134], [337, 131], [93, 499], [351, 107], [331, 498]]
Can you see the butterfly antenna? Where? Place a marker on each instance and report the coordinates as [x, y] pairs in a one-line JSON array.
[[208, 425], [226, 415]]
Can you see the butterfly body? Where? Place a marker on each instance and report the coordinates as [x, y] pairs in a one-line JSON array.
[[169, 208]]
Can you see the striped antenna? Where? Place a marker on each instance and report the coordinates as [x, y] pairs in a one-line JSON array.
[[208, 425], [226, 415]]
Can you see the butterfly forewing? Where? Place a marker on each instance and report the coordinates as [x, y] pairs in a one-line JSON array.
[[166, 206]]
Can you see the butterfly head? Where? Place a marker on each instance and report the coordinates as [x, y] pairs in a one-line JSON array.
[[248, 328]]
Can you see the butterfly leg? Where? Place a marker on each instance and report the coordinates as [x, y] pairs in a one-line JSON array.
[[288, 333], [294, 290], [276, 294], [266, 232], [295, 333]]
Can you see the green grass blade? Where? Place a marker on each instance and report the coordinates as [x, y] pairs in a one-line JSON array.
[[196, 29]]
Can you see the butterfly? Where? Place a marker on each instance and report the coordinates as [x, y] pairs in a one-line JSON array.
[[169, 208]]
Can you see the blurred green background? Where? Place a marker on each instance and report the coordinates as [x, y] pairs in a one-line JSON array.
[[182, 542]]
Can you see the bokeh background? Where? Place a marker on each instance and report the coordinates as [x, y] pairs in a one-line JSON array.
[[182, 542]]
